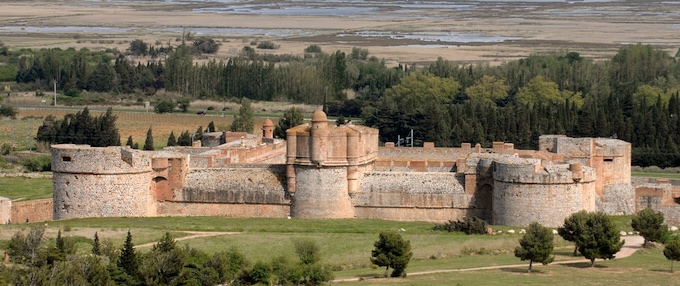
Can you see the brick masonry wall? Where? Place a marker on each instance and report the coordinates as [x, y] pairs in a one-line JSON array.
[[32, 211]]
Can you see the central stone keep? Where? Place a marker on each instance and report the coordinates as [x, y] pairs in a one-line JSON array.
[[324, 165]]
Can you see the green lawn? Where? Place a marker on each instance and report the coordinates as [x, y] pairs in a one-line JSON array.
[[21, 188]]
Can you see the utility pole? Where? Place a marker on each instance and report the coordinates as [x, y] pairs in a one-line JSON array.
[[55, 92]]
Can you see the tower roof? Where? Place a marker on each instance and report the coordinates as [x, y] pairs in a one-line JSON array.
[[268, 123], [319, 116]]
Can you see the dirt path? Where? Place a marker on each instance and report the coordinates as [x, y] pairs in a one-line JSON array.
[[632, 244], [194, 234]]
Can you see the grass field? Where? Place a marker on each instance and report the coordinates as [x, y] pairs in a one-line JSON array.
[[21, 188], [657, 175]]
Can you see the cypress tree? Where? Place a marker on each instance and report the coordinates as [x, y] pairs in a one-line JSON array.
[[128, 258], [148, 143], [211, 127], [129, 142], [171, 139], [95, 245]]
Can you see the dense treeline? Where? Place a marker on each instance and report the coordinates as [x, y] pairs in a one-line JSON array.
[[80, 128], [634, 96]]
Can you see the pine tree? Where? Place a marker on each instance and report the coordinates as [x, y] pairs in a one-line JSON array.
[[536, 245], [572, 228], [391, 250], [672, 251], [166, 244], [128, 257], [148, 143], [599, 238], [184, 139], [171, 139], [650, 225], [96, 245]]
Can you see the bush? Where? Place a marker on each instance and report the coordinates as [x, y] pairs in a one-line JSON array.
[[164, 107], [469, 225], [37, 163], [267, 45], [7, 111], [6, 149], [313, 49]]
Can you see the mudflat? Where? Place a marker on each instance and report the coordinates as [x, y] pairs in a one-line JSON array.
[[492, 31]]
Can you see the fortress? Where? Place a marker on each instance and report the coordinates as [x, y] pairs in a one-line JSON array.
[[327, 171]]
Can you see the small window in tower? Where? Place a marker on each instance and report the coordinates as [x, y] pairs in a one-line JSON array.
[[609, 159], [66, 158]]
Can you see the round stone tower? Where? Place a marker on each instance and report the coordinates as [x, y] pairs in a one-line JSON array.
[[319, 134], [268, 129], [525, 191], [100, 182]]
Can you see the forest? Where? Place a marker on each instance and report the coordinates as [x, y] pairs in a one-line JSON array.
[[634, 96]]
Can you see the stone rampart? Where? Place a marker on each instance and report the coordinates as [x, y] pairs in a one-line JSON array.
[[101, 182], [324, 193], [419, 153], [32, 211], [5, 210], [526, 192], [245, 184]]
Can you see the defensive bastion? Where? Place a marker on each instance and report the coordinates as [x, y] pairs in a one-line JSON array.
[[328, 171]]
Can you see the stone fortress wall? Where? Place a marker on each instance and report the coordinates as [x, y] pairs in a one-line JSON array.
[[328, 171]]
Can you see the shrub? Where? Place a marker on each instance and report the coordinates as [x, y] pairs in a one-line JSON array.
[[7, 111], [37, 163], [267, 45], [6, 149], [164, 107], [469, 225], [314, 49]]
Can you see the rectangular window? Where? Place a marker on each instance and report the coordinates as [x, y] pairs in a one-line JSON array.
[[66, 158]]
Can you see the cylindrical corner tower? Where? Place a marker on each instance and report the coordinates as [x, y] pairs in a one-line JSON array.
[[100, 182], [319, 137], [525, 192]]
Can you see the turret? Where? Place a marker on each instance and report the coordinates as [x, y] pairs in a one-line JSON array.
[[319, 134], [268, 129]]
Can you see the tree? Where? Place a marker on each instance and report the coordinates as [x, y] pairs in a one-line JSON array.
[[291, 118], [7, 110], [164, 263], [148, 143], [96, 245], [205, 45], [391, 250], [672, 251], [184, 104], [243, 122], [81, 128], [313, 49], [650, 225], [26, 248], [172, 141], [184, 139], [164, 107], [599, 238], [128, 257], [211, 127], [572, 228], [307, 250], [536, 245], [488, 90], [103, 78], [138, 47], [129, 142]]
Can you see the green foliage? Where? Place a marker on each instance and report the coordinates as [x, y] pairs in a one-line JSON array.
[[138, 48], [488, 90], [599, 238], [672, 251], [650, 225], [128, 260], [164, 107], [261, 273], [184, 104], [391, 250], [184, 139], [468, 225], [573, 226], [291, 118], [211, 127], [172, 141], [227, 264], [267, 45], [7, 110], [25, 249], [148, 143], [244, 121], [129, 142], [163, 265], [39, 163], [205, 45], [81, 128], [536, 245], [96, 245], [313, 49], [359, 53], [307, 250]]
